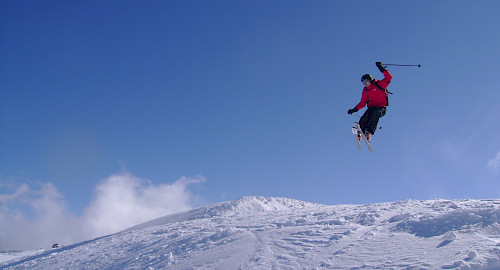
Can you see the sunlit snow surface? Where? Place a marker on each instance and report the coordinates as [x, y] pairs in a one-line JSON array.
[[280, 233]]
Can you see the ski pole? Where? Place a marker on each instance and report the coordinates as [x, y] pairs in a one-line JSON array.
[[399, 65]]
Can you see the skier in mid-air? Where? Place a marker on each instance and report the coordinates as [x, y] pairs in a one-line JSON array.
[[374, 96]]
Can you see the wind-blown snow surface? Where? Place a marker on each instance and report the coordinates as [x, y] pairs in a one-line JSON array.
[[280, 233]]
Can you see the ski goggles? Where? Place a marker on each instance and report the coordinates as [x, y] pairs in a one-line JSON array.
[[365, 81]]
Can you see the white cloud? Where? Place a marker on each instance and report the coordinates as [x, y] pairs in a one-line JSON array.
[[48, 219], [123, 200], [6, 198], [494, 163], [38, 216]]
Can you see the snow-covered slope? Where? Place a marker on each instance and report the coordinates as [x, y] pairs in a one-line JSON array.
[[280, 233], [15, 254]]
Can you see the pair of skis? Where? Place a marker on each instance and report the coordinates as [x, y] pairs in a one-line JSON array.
[[359, 135]]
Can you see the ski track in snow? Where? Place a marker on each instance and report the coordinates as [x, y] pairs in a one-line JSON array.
[[280, 233]]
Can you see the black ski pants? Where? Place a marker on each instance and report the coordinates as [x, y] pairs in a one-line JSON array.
[[369, 120]]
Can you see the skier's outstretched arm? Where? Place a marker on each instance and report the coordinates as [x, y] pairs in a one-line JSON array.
[[387, 75]]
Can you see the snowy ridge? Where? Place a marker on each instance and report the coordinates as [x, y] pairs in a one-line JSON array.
[[242, 206], [280, 233]]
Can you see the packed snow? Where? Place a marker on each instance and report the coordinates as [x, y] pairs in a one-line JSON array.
[[281, 233], [14, 254]]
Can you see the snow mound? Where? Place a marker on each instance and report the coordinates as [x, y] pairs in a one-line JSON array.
[[479, 215], [280, 233], [253, 204], [242, 206]]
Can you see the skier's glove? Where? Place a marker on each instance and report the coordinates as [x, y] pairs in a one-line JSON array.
[[353, 110], [380, 67]]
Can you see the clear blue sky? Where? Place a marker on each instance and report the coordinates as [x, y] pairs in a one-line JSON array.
[[251, 95]]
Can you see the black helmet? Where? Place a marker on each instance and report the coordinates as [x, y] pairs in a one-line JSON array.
[[367, 77]]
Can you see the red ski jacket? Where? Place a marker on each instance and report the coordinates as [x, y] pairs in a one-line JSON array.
[[374, 96]]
